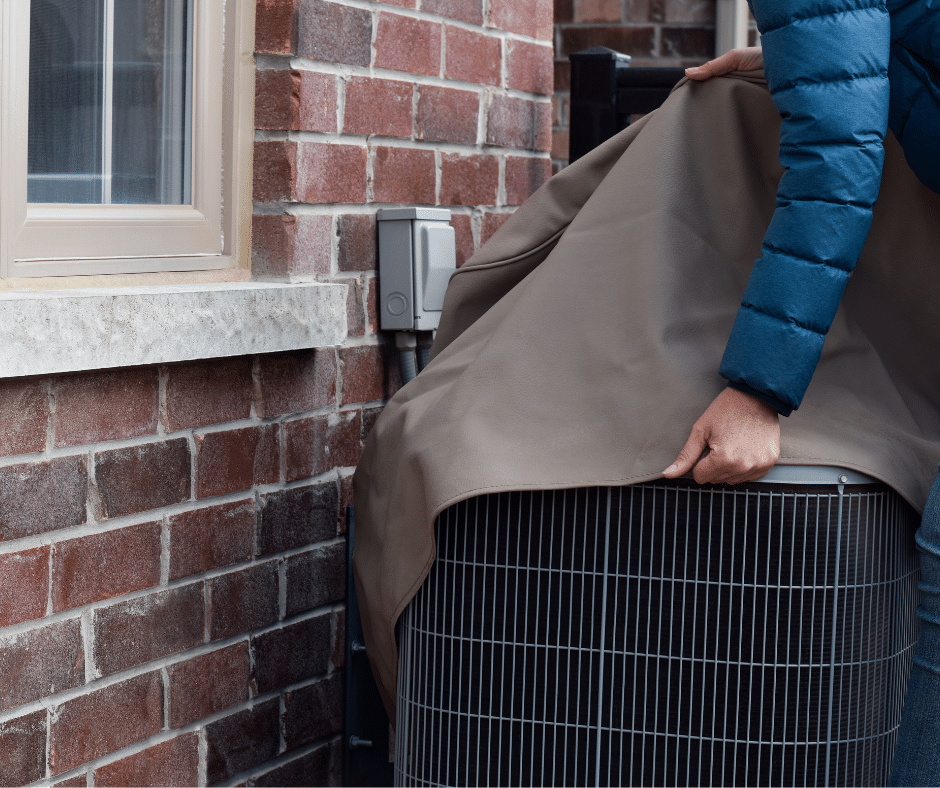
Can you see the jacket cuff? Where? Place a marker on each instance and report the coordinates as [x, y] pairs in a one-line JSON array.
[[781, 407]]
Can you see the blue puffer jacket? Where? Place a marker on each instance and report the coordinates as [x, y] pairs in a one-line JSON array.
[[840, 72]]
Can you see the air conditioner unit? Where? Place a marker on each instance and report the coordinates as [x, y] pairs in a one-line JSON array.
[[662, 634]]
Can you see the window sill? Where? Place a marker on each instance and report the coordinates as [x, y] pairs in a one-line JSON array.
[[69, 330]]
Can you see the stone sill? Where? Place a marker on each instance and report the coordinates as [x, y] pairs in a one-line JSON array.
[[68, 330]]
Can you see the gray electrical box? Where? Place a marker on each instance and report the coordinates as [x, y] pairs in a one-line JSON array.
[[417, 255]]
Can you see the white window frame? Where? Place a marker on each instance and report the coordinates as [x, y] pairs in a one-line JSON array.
[[40, 240]]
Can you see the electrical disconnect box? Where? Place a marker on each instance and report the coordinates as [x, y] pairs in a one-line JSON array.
[[417, 255]]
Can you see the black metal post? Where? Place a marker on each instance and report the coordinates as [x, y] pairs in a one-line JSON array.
[[593, 98]]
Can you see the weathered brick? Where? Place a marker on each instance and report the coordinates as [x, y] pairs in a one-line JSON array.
[[316, 578], [40, 662], [633, 41], [523, 176], [562, 75], [140, 478], [403, 175], [295, 100], [170, 763], [105, 565], [446, 115], [372, 297], [469, 180], [78, 781], [531, 18], [645, 10], [331, 173], [298, 516], [100, 722], [334, 32], [472, 56], [319, 444], [492, 221], [314, 768], [235, 460], [691, 42], [210, 538], [24, 585], [356, 232], [297, 380], [289, 247], [369, 417], [598, 11], [207, 684], [467, 10], [368, 374], [241, 741], [274, 26], [519, 123], [23, 745], [463, 230], [139, 630], [403, 43], [244, 600], [275, 170], [296, 652], [529, 67], [378, 106], [355, 312], [24, 414], [314, 711], [208, 392], [42, 496], [685, 11], [338, 658], [345, 501], [560, 143]]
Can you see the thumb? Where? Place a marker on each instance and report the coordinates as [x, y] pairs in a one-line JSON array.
[[689, 455]]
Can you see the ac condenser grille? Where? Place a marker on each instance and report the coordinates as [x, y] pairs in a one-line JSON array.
[[660, 634]]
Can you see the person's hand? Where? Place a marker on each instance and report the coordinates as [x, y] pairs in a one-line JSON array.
[[742, 435], [747, 59]]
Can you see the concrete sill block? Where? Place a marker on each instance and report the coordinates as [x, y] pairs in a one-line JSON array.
[[68, 330]]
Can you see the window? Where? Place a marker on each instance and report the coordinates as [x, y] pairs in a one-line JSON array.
[[122, 133]]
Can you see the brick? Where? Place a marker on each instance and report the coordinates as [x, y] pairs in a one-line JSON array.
[[296, 652], [598, 11], [24, 585], [523, 176], [78, 781], [472, 56], [211, 538], [244, 600], [235, 460], [564, 11], [645, 10], [378, 106], [298, 516], [446, 115], [173, 762], [531, 18], [529, 67], [315, 768], [467, 10], [334, 33], [274, 26], [403, 43], [469, 180], [368, 374], [355, 312], [559, 111], [140, 630], [402, 3], [492, 221], [338, 659], [23, 744], [105, 565], [331, 173], [274, 171], [686, 11], [633, 41], [313, 712], [345, 501], [207, 685], [356, 232], [296, 381], [403, 175], [463, 230], [42, 496], [242, 741], [24, 413], [140, 478], [372, 297], [316, 578], [208, 392], [104, 721], [561, 143], [277, 100], [291, 248], [691, 42], [519, 123], [562, 78]]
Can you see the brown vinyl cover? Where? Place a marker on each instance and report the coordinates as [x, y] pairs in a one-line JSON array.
[[578, 346]]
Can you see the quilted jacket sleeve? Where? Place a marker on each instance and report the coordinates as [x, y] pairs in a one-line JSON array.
[[826, 63]]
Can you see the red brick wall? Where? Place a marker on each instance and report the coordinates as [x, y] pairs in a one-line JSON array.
[[172, 546]]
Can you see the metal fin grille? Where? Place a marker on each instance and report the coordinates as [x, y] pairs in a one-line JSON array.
[[660, 634]]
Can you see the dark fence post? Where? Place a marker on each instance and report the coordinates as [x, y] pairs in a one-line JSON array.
[[594, 98]]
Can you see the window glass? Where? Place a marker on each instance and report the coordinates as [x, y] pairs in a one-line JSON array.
[[110, 102]]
